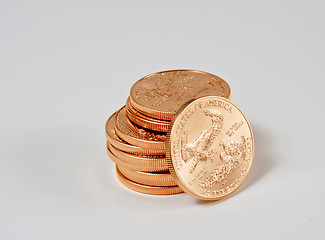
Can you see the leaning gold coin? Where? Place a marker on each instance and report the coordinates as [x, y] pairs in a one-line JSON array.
[[210, 148], [138, 136], [148, 178], [134, 166], [152, 190], [161, 94], [144, 121], [158, 162], [115, 141]]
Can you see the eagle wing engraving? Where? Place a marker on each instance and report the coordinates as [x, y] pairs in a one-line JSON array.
[[198, 151]]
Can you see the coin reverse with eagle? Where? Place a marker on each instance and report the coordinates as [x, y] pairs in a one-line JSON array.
[[209, 147]]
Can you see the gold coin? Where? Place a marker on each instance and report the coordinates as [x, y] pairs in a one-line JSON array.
[[148, 178], [161, 94], [210, 148], [145, 167], [156, 162], [137, 136], [114, 140], [144, 121], [146, 188]]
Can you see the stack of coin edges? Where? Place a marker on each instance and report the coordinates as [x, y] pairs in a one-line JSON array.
[[136, 133]]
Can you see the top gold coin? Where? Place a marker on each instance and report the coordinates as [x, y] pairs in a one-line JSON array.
[[209, 148], [161, 94]]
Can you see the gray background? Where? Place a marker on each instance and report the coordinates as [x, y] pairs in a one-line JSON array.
[[66, 66]]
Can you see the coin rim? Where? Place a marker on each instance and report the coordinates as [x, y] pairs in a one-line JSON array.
[[146, 189], [135, 167], [162, 115], [170, 164], [159, 161], [144, 121], [143, 143], [117, 142], [157, 179]]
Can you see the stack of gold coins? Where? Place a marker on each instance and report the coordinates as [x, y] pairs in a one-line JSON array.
[[136, 133]]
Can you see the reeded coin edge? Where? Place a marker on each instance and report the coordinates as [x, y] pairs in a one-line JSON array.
[[145, 123], [137, 159], [141, 115], [143, 143], [135, 167], [146, 189], [170, 164], [157, 179], [120, 144]]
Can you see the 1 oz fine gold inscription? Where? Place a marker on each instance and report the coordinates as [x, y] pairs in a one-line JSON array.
[[209, 147]]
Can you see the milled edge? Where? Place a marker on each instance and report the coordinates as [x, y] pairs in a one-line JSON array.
[[159, 145], [141, 188]]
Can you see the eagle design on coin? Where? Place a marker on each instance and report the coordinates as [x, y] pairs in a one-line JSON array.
[[199, 150]]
